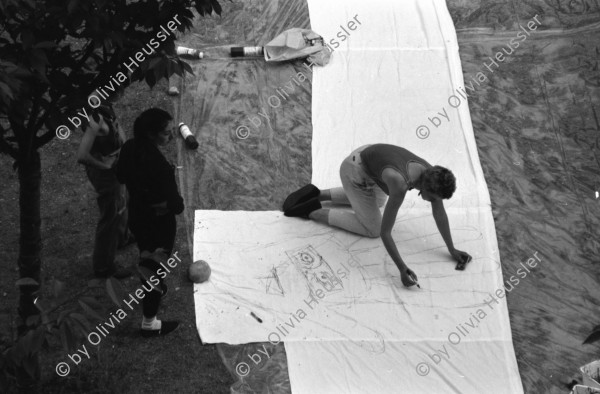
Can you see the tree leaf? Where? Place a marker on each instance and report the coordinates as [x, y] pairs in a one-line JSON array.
[[77, 326], [26, 342], [187, 67], [150, 79], [117, 38], [45, 319], [178, 69], [89, 310], [27, 38], [216, 6], [59, 288], [96, 282], [45, 45], [61, 316], [169, 68], [91, 301], [33, 320], [39, 338], [71, 339], [593, 337], [42, 306], [29, 363], [159, 71], [204, 7], [153, 63], [82, 320], [16, 353], [72, 6], [30, 3], [5, 89], [39, 61], [63, 337], [114, 290]]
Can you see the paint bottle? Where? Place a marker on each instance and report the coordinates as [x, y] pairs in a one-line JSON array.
[[247, 51], [190, 140], [190, 52]]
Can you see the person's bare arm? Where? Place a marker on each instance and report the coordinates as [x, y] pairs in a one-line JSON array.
[[397, 189], [83, 153], [441, 221], [120, 131]]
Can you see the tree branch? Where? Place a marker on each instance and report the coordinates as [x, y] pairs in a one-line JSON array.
[[42, 120], [45, 138]]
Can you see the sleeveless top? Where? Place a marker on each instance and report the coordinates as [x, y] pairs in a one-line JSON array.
[[378, 157]]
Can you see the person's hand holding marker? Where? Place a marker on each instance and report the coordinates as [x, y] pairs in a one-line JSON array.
[[409, 278], [463, 258]]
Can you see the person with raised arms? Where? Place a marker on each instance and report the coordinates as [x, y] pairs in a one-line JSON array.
[[99, 151]]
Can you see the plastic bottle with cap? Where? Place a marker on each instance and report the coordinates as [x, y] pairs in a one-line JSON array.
[[247, 51], [190, 52], [190, 140]]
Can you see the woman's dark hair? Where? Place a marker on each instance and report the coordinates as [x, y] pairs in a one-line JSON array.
[[439, 181], [151, 122]]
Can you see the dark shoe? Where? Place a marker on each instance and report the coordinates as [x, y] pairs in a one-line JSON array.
[[302, 210], [166, 327], [301, 195]]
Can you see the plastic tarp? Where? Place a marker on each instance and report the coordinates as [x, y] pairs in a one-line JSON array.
[[536, 130], [274, 268]]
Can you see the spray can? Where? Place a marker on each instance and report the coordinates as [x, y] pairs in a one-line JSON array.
[[190, 140], [190, 52], [247, 51]]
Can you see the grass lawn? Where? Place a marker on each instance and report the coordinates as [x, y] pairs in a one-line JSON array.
[[123, 361]]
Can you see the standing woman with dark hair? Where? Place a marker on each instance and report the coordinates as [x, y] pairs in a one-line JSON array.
[[369, 175], [154, 201]]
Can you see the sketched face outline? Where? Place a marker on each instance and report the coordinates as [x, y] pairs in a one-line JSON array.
[[307, 259]]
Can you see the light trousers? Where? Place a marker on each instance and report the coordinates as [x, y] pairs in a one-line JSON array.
[[362, 193]]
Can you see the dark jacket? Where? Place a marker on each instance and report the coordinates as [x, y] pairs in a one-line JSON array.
[[149, 177]]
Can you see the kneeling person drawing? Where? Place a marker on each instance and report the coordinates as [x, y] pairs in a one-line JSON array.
[[370, 174]]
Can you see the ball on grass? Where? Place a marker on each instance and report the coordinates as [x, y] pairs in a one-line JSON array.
[[199, 271]]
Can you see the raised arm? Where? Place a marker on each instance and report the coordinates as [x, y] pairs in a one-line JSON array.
[[122, 135], [84, 155]]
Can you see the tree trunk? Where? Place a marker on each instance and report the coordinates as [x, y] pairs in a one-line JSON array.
[[30, 246]]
